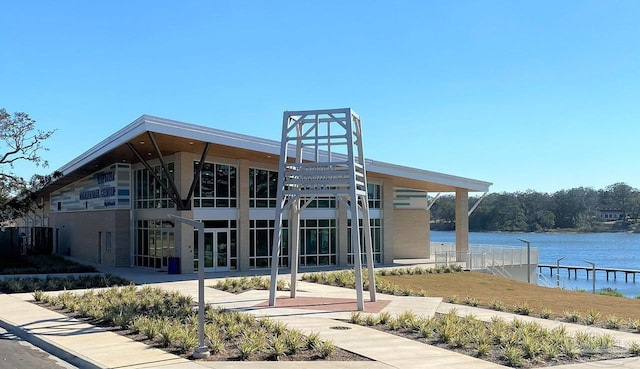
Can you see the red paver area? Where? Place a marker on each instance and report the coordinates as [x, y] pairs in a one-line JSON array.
[[327, 304]]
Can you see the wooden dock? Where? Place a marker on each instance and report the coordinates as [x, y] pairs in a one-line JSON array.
[[589, 269]]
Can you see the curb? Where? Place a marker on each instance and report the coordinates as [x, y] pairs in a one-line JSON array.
[[45, 344]]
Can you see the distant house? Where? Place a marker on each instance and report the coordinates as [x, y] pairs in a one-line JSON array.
[[606, 213]]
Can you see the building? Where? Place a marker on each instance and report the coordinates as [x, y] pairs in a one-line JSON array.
[[112, 203], [609, 213]]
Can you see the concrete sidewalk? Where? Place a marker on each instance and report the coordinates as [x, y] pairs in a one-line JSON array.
[[87, 346]]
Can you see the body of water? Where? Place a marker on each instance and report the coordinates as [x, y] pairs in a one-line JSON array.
[[616, 250]]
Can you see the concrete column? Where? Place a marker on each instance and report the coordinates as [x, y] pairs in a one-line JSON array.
[[243, 243], [387, 221], [183, 234], [342, 233], [462, 222]]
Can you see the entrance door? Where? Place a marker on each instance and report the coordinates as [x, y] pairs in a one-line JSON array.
[[216, 250]]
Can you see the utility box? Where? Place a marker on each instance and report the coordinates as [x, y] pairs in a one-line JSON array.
[[173, 265]]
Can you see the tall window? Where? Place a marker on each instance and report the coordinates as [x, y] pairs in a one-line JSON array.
[[317, 242], [154, 243], [261, 243], [376, 242], [216, 187], [374, 193], [263, 188], [149, 193]]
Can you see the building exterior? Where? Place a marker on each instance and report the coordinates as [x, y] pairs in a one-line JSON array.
[[112, 204], [609, 213]]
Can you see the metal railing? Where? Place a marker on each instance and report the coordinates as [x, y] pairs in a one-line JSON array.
[[483, 257]]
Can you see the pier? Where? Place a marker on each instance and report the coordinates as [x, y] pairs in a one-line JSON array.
[[589, 269]]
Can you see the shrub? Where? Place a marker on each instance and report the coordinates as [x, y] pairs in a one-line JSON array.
[[482, 349], [497, 305], [247, 347], [371, 320], [531, 346], [186, 339], [471, 301], [356, 318], [572, 316], [512, 356], [167, 334], [295, 340], [522, 309], [612, 322], [313, 341], [634, 349], [550, 350], [394, 324], [546, 313], [278, 348], [592, 317], [407, 319], [212, 334], [426, 328], [124, 317], [138, 324], [634, 325], [605, 341], [326, 349], [384, 317], [39, 295], [150, 329], [608, 291]]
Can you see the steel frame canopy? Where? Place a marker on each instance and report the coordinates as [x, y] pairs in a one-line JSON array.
[[319, 168]]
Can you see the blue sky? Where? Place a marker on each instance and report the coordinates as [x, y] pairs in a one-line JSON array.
[[540, 95]]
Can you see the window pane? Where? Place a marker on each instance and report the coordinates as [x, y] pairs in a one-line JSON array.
[[262, 186], [222, 180], [273, 184]]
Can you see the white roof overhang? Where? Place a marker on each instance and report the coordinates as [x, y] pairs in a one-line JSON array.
[[174, 136]]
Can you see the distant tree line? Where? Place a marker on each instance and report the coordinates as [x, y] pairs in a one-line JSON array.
[[533, 211]]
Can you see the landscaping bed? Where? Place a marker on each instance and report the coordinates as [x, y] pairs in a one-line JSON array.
[[57, 283], [42, 264], [168, 320], [516, 344]]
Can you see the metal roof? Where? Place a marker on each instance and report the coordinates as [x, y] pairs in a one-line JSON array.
[[174, 136]]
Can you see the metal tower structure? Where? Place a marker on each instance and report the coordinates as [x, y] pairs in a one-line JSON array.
[[327, 161]]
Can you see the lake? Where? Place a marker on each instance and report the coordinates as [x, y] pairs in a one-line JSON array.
[[619, 250]]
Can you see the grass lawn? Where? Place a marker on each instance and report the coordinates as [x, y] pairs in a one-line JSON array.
[[41, 264], [486, 287]]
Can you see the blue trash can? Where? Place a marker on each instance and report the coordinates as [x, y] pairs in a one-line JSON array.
[[173, 265]]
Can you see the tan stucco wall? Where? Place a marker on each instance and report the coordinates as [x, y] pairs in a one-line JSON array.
[[411, 234], [388, 232], [79, 233]]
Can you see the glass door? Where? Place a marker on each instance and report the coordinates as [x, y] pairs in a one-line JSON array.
[[222, 250], [216, 250]]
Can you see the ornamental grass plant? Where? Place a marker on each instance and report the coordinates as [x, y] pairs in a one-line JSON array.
[[169, 320], [515, 343]]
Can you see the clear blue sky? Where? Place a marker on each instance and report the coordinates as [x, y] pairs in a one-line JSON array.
[[541, 95]]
